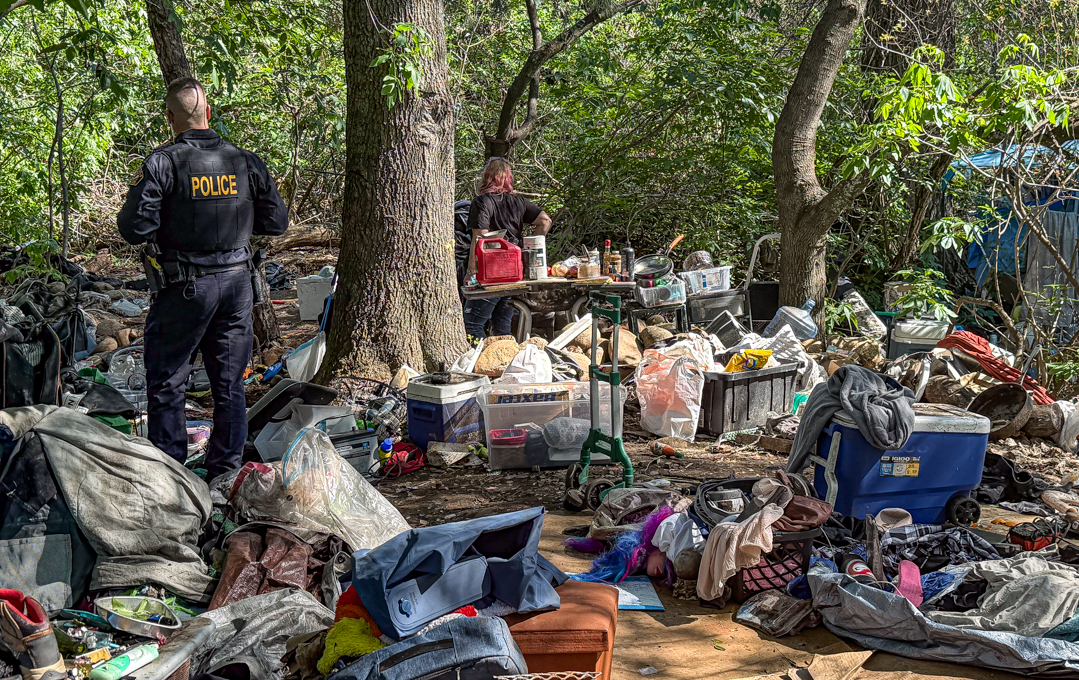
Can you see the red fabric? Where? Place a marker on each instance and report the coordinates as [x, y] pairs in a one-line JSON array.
[[406, 458], [978, 348], [349, 606], [26, 608], [468, 610]]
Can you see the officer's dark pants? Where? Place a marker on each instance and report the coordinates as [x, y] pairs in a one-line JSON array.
[[214, 317]]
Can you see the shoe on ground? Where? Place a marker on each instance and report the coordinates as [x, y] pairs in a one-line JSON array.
[[26, 631]]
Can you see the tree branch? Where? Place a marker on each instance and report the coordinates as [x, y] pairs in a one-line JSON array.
[[15, 5], [528, 77], [835, 202]]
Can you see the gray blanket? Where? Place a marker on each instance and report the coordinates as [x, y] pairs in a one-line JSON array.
[[881, 407], [142, 512]]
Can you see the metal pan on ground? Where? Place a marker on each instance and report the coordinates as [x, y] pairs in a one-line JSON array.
[[1007, 406]]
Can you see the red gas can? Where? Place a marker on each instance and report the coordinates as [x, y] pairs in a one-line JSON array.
[[497, 261]]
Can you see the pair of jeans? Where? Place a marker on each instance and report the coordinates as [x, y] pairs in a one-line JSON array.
[[499, 311], [212, 314]]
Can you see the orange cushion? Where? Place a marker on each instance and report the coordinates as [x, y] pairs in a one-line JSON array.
[[585, 622]]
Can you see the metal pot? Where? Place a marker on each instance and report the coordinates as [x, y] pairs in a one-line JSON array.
[[1007, 406]]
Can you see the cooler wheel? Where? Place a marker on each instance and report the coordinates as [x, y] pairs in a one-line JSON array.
[[963, 511]]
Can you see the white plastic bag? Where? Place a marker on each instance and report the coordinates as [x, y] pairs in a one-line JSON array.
[[531, 365], [304, 362], [327, 491], [1066, 438], [466, 363], [669, 390]]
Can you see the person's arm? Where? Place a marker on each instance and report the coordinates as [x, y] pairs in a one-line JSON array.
[[479, 218], [141, 215], [271, 213], [542, 224]]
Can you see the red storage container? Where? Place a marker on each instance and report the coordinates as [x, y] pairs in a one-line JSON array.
[[498, 261]]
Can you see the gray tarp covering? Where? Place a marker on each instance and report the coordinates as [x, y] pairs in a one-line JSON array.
[[254, 632], [141, 510], [888, 622]]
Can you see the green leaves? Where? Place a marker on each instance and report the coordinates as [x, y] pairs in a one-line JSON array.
[[406, 45]]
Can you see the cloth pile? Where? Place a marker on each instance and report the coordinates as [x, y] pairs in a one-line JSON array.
[[880, 407]]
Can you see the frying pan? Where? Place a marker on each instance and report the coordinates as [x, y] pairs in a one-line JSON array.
[[1007, 406], [650, 268]]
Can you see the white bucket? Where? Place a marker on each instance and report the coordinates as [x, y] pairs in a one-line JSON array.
[[538, 244]]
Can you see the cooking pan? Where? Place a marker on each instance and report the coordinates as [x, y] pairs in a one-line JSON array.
[[1007, 406], [651, 268]]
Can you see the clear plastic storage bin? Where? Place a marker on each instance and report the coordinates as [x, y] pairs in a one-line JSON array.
[[542, 424], [665, 294], [707, 280]]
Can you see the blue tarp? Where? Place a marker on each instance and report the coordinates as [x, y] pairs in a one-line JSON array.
[[520, 576]]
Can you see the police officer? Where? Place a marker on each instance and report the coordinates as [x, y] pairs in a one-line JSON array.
[[197, 201]]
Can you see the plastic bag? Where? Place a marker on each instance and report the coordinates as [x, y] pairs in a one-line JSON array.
[[669, 390], [569, 433], [1066, 438], [304, 362], [531, 365], [466, 363], [321, 491]]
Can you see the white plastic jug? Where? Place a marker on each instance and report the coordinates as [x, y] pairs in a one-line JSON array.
[[800, 321]]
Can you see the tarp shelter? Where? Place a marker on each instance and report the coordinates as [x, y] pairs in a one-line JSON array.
[[1002, 234]]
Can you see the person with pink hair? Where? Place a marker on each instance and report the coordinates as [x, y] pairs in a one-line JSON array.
[[497, 208]]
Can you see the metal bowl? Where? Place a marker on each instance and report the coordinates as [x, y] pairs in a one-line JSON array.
[[150, 629]]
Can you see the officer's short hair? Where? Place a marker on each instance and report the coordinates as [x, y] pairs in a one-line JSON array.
[[186, 98]]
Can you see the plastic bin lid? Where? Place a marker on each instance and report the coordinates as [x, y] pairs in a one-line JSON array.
[[919, 331], [935, 418]]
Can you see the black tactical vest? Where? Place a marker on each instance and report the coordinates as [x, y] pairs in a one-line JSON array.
[[211, 207]]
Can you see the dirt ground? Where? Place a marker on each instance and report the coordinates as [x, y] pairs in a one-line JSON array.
[[685, 641]]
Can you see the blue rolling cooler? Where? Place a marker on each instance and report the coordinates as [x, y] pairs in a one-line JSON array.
[[931, 477]]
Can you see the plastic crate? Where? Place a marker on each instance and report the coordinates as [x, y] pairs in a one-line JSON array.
[[788, 560], [707, 280], [739, 401]]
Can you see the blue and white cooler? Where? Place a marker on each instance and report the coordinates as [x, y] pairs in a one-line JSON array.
[[931, 477]]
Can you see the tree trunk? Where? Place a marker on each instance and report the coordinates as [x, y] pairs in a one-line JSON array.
[[806, 211], [168, 43], [396, 301], [263, 319], [919, 208]]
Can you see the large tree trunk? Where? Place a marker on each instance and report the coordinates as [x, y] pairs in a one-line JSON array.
[[168, 43], [396, 301], [806, 211]]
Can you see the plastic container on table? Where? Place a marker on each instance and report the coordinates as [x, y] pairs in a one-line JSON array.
[[915, 335], [800, 321], [941, 460], [445, 413], [707, 280], [667, 293], [553, 417], [739, 401], [498, 261]]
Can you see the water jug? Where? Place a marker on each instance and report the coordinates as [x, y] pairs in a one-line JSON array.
[[800, 321]]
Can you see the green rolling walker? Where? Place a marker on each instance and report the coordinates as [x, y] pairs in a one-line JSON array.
[[580, 492]]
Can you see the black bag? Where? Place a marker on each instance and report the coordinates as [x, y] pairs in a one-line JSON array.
[[29, 361], [471, 648]]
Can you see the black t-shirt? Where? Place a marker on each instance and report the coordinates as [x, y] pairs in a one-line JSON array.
[[492, 212]]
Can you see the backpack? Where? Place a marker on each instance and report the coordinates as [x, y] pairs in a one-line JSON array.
[[29, 358], [468, 648]]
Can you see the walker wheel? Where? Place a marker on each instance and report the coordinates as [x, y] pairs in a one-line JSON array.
[[963, 511], [573, 477], [593, 492]]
